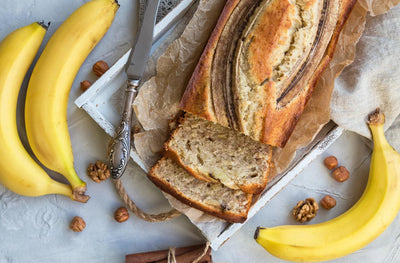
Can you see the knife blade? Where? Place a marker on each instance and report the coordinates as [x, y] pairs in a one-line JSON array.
[[139, 56], [121, 143]]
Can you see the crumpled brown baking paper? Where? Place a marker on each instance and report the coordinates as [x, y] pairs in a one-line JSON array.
[[372, 80], [158, 99]]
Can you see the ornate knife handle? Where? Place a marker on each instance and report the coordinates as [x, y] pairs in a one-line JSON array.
[[121, 144]]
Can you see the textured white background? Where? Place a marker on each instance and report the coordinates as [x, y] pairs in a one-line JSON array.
[[36, 229]]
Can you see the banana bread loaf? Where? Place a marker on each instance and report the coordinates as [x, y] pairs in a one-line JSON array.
[[262, 62], [212, 198], [214, 153]]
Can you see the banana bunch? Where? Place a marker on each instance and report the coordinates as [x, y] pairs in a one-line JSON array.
[[18, 171], [361, 224], [50, 83], [46, 99]]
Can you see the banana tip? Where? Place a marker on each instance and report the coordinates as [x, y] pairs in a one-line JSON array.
[[81, 198], [257, 232], [43, 24], [78, 194], [376, 118]]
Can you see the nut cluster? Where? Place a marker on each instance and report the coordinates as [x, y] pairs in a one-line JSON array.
[[98, 171], [340, 173], [305, 210], [98, 68], [121, 215], [77, 224]]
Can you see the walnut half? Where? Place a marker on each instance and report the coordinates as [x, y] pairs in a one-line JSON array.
[[98, 171], [305, 210], [77, 224]]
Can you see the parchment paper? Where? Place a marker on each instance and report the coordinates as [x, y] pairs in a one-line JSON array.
[[158, 99]]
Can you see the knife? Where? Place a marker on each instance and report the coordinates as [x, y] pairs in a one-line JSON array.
[[121, 143]]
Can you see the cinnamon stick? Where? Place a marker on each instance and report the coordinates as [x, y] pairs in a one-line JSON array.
[[190, 256], [154, 256]]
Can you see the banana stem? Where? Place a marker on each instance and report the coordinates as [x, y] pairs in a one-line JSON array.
[[378, 136], [73, 178], [42, 24], [78, 194], [78, 186], [375, 122]]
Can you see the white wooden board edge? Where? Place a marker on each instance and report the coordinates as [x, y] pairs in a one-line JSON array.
[[161, 27]]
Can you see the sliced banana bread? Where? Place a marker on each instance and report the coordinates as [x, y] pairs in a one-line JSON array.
[[214, 153], [212, 198]]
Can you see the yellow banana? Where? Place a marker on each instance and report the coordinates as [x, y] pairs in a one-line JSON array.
[[18, 171], [349, 232], [51, 81]]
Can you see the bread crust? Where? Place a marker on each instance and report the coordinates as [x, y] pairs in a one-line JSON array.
[[277, 118], [197, 97], [286, 119], [223, 214]]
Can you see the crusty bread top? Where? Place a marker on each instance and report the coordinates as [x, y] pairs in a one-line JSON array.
[[262, 62]]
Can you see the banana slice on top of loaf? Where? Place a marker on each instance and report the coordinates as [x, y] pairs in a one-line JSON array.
[[262, 63]]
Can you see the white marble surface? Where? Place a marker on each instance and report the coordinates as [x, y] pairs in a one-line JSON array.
[[36, 229]]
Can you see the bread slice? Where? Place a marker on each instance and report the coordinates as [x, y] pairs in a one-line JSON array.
[[262, 63], [215, 153], [212, 198]]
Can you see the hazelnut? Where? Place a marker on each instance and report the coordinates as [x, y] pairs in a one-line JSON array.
[[85, 85], [77, 224], [121, 214], [328, 202], [340, 174], [330, 162], [100, 67]]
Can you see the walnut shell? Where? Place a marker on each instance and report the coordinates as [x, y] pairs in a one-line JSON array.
[[77, 224], [98, 171], [305, 210]]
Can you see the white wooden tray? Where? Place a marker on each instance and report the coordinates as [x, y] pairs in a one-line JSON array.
[[97, 101]]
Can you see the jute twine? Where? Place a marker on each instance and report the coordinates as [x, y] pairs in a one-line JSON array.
[[172, 258], [154, 218], [138, 212]]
